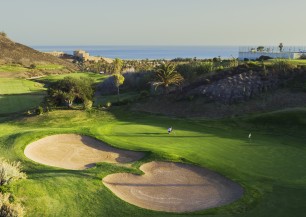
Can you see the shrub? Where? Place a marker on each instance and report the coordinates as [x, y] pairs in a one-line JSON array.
[[88, 104], [70, 90], [32, 66], [39, 110], [282, 66], [188, 71], [10, 171], [108, 104], [3, 34], [303, 57], [9, 209], [204, 68], [191, 70], [261, 58], [137, 80]]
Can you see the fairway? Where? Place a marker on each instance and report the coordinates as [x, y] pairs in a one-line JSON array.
[[19, 86], [270, 168], [19, 102], [53, 78], [18, 95]]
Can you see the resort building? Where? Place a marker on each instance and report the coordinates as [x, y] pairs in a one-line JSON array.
[[86, 57], [281, 52]]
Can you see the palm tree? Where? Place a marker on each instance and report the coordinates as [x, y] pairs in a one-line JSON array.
[[166, 76]]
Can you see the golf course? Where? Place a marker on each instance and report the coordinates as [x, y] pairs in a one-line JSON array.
[[213, 138], [270, 167]]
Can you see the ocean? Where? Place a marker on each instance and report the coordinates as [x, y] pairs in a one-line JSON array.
[[149, 52]]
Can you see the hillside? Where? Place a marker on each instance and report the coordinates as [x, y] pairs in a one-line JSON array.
[[12, 52]]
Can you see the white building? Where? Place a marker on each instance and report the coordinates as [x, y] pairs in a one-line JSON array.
[[273, 52]]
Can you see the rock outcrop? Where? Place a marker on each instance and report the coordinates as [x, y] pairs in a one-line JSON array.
[[237, 88]]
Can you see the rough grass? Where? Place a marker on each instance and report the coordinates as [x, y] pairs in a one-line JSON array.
[[271, 167]]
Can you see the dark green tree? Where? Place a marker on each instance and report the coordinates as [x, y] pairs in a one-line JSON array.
[[70, 90]]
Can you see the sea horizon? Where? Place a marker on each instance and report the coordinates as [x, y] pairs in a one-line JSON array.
[[137, 52]]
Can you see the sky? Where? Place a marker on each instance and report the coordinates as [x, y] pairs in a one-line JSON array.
[[154, 22]]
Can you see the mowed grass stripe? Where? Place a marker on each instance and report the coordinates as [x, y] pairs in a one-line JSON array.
[[19, 102], [53, 78], [19, 86]]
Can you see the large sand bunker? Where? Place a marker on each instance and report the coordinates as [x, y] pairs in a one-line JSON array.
[[71, 151], [174, 187]]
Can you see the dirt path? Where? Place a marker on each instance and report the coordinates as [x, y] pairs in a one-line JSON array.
[[174, 187], [71, 151]]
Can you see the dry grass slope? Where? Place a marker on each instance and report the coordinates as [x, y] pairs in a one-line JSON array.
[[11, 52]]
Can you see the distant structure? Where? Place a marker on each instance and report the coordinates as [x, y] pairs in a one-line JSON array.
[[81, 54], [281, 52], [56, 53]]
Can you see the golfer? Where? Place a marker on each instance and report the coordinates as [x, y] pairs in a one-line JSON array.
[[169, 130]]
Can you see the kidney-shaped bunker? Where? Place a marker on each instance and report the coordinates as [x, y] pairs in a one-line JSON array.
[[77, 152]]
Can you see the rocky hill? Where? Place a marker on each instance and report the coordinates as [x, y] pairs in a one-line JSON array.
[[12, 52]]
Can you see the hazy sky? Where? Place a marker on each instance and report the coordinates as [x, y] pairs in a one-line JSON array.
[[154, 22]]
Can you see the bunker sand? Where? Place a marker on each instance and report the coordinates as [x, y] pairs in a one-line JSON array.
[[174, 187], [76, 152]]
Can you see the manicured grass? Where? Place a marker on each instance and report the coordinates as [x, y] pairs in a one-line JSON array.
[[19, 103], [19, 86], [270, 167], [12, 68], [53, 78], [18, 95]]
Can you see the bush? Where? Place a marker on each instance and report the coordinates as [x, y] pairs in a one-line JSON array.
[[261, 58], [9, 209], [108, 104], [88, 104], [282, 66], [39, 110], [10, 171], [190, 71], [204, 68], [70, 90], [3, 34], [137, 80]]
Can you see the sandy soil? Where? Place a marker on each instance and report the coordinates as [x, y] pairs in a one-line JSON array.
[[174, 187], [71, 151]]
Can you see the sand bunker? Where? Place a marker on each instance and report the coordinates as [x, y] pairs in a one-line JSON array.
[[174, 187], [71, 151]]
